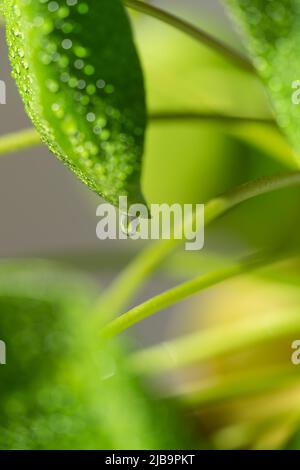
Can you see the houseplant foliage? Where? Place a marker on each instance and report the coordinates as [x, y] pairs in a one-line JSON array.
[[271, 33], [79, 75], [85, 96], [61, 388]]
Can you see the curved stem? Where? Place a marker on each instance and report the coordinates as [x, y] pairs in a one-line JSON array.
[[208, 116], [191, 30], [18, 141], [133, 276], [29, 137], [179, 293], [218, 206], [196, 33]]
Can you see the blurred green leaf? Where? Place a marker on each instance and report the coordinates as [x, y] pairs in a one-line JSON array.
[[60, 389]]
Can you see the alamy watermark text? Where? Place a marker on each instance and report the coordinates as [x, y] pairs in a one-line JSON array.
[[158, 222]]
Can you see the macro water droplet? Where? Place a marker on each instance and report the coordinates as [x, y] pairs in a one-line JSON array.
[[129, 224], [67, 44]]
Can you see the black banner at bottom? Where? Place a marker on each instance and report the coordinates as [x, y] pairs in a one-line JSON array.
[[146, 459]]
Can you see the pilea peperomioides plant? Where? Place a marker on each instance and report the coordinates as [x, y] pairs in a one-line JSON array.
[[80, 78]]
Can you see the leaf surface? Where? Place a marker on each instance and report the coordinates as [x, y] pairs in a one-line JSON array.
[[271, 30], [79, 75]]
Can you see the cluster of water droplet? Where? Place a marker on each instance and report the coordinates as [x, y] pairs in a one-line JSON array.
[[272, 29], [65, 92]]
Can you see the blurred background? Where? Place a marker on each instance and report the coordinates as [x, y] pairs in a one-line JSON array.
[[46, 212]]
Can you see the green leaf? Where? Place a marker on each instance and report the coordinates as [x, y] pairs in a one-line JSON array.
[[61, 388], [271, 30], [79, 75]]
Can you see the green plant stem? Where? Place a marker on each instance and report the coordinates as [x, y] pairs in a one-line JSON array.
[[130, 280], [191, 30], [267, 184], [215, 342], [194, 32], [19, 141], [29, 137], [165, 115], [179, 293]]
